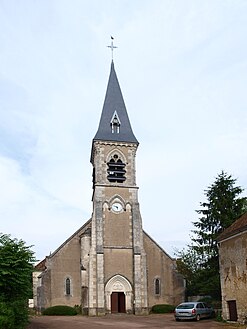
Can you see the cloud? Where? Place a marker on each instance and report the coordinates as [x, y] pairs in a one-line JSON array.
[[28, 211]]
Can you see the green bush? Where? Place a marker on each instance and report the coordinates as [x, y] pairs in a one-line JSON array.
[[21, 313], [60, 310], [162, 308], [219, 318], [7, 320], [78, 309], [16, 266]]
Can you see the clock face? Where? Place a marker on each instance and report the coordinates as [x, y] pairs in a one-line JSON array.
[[116, 207]]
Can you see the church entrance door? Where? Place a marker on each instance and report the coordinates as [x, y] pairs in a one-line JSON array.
[[118, 302], [118, 295]]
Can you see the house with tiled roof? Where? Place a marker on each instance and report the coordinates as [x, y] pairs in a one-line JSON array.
[[233, 270]]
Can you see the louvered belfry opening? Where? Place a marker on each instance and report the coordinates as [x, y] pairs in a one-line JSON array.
[[116, 171]]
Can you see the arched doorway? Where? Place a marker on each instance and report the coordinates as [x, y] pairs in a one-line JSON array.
[[118, 292]]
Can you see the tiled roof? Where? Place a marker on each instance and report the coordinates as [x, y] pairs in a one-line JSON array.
[[40, 266], [114, 103], [240, 225]]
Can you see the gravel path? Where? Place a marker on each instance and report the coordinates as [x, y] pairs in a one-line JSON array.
[[165, 321]]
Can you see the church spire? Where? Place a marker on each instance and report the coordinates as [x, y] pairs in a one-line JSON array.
[[114, 122]]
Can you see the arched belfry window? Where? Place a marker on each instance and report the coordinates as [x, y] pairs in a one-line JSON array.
[[67, 286], [116, 171], [157, 286], [115, 123]]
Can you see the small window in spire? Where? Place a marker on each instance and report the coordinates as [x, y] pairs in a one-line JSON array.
[[115, 123]]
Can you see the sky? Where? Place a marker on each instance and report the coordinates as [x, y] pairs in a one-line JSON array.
[[182, 69]]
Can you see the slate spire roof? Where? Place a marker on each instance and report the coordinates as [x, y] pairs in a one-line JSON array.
[[114, 122]]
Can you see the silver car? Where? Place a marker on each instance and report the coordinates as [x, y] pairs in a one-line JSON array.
[[193, 310]]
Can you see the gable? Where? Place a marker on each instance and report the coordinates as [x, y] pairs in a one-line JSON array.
[[42, 264], [147, 238], [78, 233]]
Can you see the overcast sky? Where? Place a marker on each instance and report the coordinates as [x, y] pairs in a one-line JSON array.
[[182, 68]]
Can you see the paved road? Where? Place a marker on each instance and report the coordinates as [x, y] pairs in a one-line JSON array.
[[165, 321]]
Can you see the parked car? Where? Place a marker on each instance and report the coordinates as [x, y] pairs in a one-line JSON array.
[[193, 310]]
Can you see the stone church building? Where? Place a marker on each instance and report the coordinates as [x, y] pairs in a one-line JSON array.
[[110, 265]]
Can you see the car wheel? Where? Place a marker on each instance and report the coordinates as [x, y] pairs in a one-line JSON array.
[[198, 317], [177, 319]]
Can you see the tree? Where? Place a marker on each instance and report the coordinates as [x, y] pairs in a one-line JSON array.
[[223, 206], [187, 265], [16, 266]]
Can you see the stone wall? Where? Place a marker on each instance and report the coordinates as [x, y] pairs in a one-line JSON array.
[[233, 274], [161, 266]]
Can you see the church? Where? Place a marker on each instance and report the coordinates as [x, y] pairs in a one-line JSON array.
[[110, 265]]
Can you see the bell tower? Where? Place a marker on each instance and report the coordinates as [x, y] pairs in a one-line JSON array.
[[117, 265]]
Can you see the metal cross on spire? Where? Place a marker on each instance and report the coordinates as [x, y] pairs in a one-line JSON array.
[[112, 47]]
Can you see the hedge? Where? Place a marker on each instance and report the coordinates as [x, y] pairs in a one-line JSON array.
[[162, 308], [60, 310]]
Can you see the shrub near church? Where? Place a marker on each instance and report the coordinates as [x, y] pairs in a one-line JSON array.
[[16, 266], [60, 310]]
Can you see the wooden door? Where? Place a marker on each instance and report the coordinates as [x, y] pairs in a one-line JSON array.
[[121, 302], [232, 306], [114, 302], [118, 302]]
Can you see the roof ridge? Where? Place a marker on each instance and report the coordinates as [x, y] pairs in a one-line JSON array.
[[238, 226]]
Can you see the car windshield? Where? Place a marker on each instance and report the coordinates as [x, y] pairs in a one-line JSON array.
[[185, 306]]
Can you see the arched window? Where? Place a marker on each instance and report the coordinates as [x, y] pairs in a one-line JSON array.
[[157, 286], [67, 286], [116, 171]]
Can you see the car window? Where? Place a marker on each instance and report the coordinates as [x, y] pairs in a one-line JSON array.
[[199, 305], [185, 306]]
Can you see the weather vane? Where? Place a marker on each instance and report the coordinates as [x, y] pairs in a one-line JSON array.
[[112, 47]]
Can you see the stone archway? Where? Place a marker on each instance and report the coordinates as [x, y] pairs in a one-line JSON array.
[[118, 294]]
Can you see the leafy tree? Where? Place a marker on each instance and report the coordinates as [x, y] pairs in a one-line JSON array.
[[16, 266], [223, 206], [188, 266]]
